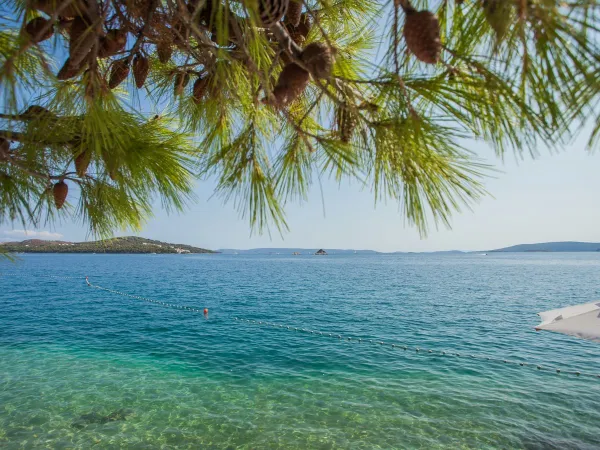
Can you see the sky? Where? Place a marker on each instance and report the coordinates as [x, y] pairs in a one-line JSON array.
[[553, 198]]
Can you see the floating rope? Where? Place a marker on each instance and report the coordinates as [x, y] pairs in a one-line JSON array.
[[418, 350], [339, 337], [146, 299], [20, 275]]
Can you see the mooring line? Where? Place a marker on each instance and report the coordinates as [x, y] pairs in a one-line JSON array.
[[339, 337]]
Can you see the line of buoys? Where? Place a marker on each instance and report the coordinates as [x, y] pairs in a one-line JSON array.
[[146, 299], [441, 353], [20, 275], [350, 339]]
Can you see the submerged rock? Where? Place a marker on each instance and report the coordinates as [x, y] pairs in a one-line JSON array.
[[94, 417]]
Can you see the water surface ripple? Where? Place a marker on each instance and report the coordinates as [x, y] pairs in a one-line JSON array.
[[82, 367]]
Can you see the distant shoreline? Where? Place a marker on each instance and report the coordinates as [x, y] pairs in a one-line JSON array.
[[120, 245], [136, 245]]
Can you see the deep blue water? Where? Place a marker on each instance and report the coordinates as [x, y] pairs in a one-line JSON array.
[[82, 367]]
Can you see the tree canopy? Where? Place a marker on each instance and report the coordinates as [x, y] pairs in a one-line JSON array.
[[109, 105]]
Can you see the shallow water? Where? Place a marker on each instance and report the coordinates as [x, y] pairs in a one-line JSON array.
[[82, 367]]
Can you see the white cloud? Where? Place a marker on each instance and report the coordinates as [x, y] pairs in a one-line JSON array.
[[30, 234]]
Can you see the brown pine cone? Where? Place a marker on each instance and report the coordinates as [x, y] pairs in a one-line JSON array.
[[272, 11], [299, 32], [75, 7], [422, 35], [181, 81], [60, 191], [141, 67], [199, 89], [69, 71], [137, 8], [205, 16], [81, 40], [118, 72], [4, 148], [292, 81], [110, 165], [37, 112], [294, 12], [318, 59], [112, 43], [35, 26], [499, 15], [164, 52], [346, 124], [82, 162]]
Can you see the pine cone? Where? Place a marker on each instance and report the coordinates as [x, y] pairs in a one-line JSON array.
[[110, 165], [112, 43], [95, 85], [299, 32], [69, 71], [181, 81], [37, 112], [141, 67], [81, 41], [137, 8], [422, 35], [75, 8], [35, 26], [82, 162], [292, 81], [206, 14], [60, 191], [199, 89], [271, 11], [346, 123], [164, 52], [499, 14], [118, 73], [294, 12], [317, 58], [4, 148]]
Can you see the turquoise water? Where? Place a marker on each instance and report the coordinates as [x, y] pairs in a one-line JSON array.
[[80, 367]]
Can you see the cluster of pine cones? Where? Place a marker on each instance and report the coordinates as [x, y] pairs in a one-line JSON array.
[[93, 34], [150, 27]]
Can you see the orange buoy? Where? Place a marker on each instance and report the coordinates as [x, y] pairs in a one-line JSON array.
[[205, 310]]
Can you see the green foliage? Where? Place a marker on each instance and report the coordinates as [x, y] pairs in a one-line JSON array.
[[129, 244], [514, 74]]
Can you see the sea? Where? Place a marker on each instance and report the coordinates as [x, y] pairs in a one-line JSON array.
[[296, 352]]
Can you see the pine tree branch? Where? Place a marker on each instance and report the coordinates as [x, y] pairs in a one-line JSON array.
[[8, 63], [25, 169], [140, 36]]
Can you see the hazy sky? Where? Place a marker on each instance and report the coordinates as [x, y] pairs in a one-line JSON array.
[[554, 198]]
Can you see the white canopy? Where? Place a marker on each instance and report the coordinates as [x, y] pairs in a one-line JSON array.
[[582, 321]]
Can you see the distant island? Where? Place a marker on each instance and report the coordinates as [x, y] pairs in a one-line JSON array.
[[292, 251], [129, 244], [553, 247], [567, 246], [133, 244]]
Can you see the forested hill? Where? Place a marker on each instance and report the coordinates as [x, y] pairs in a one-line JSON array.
[[553, 247], [129, 244]]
